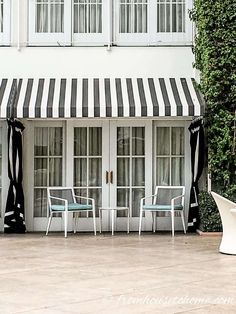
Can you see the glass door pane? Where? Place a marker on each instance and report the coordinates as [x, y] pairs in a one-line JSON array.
[[130, 168], [48, 151], [169, 157], [88, 164]]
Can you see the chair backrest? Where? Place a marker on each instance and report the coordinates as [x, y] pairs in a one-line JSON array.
[[164, 194], [60, 192]]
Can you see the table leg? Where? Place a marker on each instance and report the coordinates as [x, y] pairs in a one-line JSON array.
[[112, 221], [100, 220], [128, 220]]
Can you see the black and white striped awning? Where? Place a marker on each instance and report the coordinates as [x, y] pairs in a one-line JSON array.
[[88, 97]]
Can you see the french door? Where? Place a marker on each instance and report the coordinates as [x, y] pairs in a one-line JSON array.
[[116, 162], [109, 161], [106, 160], [130, 168]]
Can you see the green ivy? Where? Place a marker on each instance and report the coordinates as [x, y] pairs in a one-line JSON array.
[[209, 215], [215, 57]]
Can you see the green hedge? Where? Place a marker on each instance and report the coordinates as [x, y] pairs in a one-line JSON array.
[[215, 56], [209, 215]]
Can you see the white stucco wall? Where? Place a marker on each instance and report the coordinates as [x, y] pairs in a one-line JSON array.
[[87, 61], [96, 62]]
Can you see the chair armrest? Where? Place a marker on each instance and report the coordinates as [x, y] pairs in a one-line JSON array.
[[86, 198], [143, 198], [58, 199], [176, 198]]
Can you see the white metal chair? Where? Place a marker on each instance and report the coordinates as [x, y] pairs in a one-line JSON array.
[[166, 199], [227, 211], [63, 200]]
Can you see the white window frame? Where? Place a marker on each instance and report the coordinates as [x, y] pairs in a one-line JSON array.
[[5, 35], [49, 39], [152, 38], [95, 39], [129, 39], [110, 10], [172, 38]]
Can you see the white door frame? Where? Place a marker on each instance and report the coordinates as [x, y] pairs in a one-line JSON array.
[[165, 223], [37, 223], [4, 172], [86, 224], [121, 222], [108, 164]]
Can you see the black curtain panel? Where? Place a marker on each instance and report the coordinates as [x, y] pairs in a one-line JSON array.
[[14, 214], [197, 144]]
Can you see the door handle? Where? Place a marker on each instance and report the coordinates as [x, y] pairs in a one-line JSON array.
[[107, 177], [111, 177]]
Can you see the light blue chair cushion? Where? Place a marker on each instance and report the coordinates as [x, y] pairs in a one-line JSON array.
[[161, 207], [72, 207]]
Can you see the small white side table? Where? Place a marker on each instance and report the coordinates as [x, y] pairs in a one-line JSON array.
[[113, 210]]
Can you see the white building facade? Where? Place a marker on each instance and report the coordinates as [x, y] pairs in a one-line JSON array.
[[105, 90]]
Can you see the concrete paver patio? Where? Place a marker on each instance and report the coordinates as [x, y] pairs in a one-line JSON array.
[[121, 274]]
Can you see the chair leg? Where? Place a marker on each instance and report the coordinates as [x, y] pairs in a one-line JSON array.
[[74, 221], [112, 221], [154, 221], [94, 222], [49, 223], [140, 222], [66, 222], [182, 217], [173, 223], [128, 220]]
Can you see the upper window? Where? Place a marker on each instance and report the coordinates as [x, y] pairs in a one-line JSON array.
[[4, 22], [61, 22], [91, 21], [49, 16], [172, 20], [87, 16], [152, 22], [133, 16], [131, 22], [170, 16], [48, 22]]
